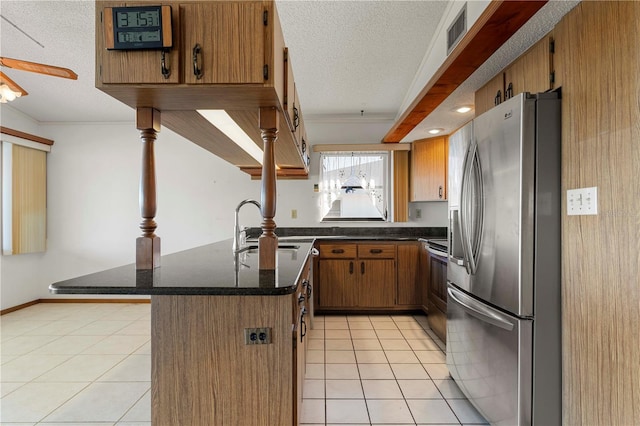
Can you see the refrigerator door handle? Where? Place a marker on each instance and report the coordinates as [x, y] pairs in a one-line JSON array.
[[466, 208], [479, 311]]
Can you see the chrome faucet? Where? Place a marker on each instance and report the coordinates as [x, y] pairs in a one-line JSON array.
[[236, 226]]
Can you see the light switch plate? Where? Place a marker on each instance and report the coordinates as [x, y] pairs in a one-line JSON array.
[[582, 201]]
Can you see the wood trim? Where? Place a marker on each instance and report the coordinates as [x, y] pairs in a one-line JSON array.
[[18, 307], [401, 186], [37, 301], [360, 147], [499, 21], [27, 136]]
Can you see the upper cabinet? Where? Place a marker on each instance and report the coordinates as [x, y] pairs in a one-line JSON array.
[[223, 55], [531, 72], [429, 169], [224, 42]]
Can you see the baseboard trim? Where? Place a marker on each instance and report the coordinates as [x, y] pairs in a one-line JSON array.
[[35, 302]]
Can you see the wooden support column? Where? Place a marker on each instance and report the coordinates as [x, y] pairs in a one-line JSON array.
[[268, 241], [148, 245]]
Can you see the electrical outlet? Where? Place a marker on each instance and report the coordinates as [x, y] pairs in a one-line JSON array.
[[294, 214], [582, 201], [418, 213], [257, 336]]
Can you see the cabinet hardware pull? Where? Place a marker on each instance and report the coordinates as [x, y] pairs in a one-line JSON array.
[[362, 267], [498, 99], [440, 191], [304, 146], [197, 71], [337, 251], [350, 267], [508, 94], [375, 251], [303, 326], [301, 299], [166, 72], [296, 118]]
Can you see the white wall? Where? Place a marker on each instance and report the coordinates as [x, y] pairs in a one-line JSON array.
[[93, 212]]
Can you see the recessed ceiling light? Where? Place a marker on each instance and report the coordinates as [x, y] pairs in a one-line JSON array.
[[463, 109], [435, 131]]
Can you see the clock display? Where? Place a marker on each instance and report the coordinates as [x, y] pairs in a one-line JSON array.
[[138, 27], [138, 19], [138, 36]]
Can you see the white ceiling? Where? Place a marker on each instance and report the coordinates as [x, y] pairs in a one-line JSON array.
[[348, 57]]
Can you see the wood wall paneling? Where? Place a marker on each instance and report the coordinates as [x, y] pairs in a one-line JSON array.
[[597, 61], [202, 371]]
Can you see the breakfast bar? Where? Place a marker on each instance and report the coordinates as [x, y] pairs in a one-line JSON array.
[[227, 339]]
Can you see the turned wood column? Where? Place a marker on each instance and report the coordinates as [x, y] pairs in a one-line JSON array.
[[268, 241], [148, 245]]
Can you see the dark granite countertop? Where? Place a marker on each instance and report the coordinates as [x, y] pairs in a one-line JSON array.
[[206, 270], [389, 233]]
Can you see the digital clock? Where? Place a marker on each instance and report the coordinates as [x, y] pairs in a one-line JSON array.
[[137, 27]]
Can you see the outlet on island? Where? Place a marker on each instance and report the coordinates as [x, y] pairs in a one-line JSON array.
[[418, 213], [294, 214]]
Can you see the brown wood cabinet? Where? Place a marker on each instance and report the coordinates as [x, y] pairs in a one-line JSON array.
[[224, 42], [225, 55], [531, 72], [429, 169], [490, 95], [356, 276], [409, 288]]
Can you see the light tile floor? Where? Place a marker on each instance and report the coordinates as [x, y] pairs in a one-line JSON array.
[[89, 364], [380, 370]]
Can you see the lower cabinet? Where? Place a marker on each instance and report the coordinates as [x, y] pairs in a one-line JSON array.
[[367, 275], [356, 276]]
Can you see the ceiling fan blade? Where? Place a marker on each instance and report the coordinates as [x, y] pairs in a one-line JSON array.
[[36, 67]]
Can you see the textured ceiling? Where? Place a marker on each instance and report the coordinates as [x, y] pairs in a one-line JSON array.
[[347, 56]]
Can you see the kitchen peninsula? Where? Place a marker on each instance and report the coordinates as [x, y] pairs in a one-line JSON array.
[[227, 339]]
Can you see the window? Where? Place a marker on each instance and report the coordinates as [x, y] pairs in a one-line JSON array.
[[353, 186]]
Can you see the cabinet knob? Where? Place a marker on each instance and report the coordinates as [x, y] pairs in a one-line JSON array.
[[197, 71]]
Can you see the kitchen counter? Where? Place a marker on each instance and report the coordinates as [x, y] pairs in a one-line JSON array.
[[389, 233], [208, 270]]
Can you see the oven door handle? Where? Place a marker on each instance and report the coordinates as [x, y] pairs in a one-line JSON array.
[[437, 253]]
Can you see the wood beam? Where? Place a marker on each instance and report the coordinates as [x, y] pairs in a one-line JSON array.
[[499, 21]]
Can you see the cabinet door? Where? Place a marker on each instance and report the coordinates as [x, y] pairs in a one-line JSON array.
[[429, 169], [408, 274], [531, 72], [136, 66], [489, 95], [377, 283], [230, 36], [337, 283]]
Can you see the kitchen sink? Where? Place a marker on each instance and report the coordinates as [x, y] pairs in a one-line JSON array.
[[281, 247]]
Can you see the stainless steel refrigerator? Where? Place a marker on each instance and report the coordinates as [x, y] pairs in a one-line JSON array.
[[503, 276]]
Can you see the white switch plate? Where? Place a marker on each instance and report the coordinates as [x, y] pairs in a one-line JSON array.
[[582, 201]]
